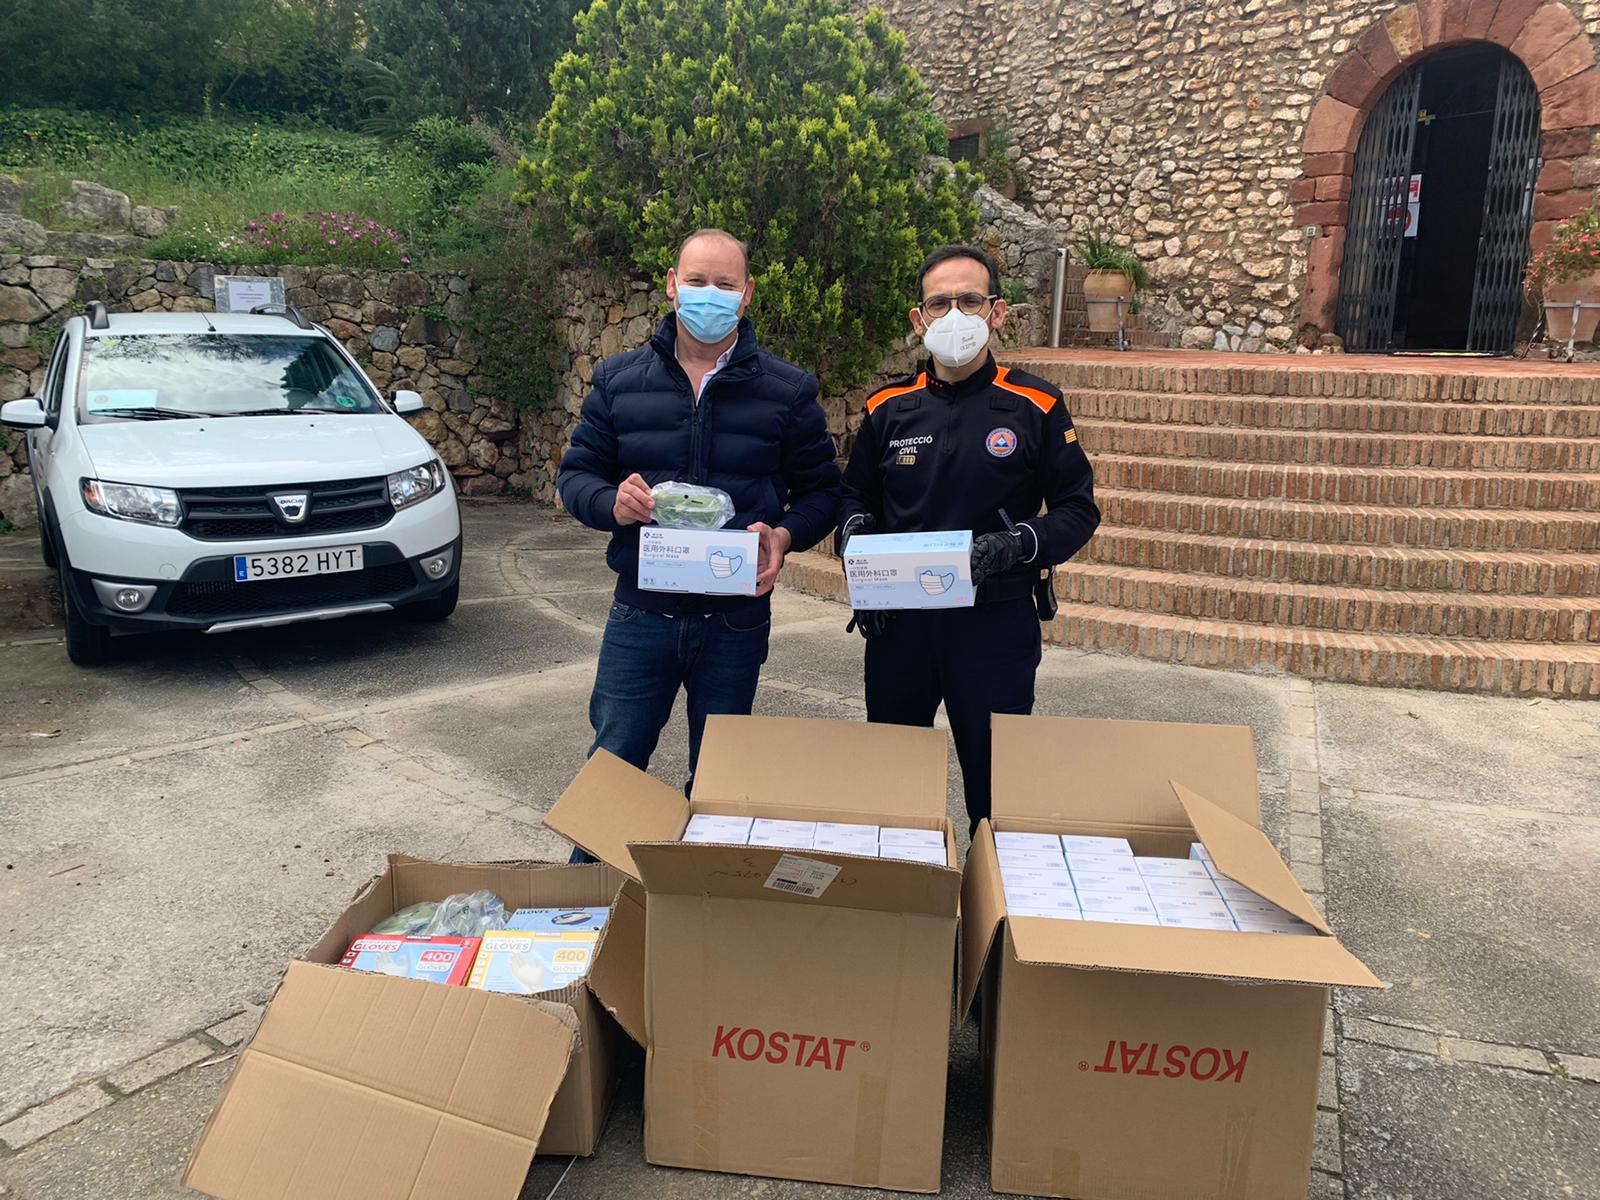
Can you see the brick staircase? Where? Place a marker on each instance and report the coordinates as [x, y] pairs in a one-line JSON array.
[[1421, 522], [1412, 522]]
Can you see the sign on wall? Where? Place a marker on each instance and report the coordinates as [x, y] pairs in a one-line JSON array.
[[242, 293]]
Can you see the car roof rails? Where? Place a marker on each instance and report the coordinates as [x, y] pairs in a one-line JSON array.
[[288, 311], [99, 318]]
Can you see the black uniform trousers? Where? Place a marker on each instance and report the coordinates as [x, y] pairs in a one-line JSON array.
[[979, 661]]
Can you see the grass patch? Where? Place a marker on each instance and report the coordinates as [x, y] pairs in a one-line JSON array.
[[222, 175]]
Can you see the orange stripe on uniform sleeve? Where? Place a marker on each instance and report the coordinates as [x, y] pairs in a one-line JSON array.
[[878, 398], [1043, 401]]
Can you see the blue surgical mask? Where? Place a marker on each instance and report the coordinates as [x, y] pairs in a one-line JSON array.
[[708, 313]]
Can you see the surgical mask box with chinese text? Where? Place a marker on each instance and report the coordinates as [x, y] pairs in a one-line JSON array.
[[708, 827], [909, 570], [705, 562]]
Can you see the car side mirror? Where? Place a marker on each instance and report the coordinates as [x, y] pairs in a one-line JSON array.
[[29, 413], [407, 402]]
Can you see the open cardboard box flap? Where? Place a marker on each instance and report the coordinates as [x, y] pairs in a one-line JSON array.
[[744, 872], [359, 1084], [611, 803], [849, 767], [617, 976], [1094, 776], [983, 907], [1243, 853]]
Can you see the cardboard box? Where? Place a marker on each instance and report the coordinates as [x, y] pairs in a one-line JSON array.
[[706, 562], [794, 1005], [1136, 1060], [909, 570], [360, 1085]]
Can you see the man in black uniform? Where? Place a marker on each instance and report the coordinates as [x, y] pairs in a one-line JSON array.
[[966, 444]]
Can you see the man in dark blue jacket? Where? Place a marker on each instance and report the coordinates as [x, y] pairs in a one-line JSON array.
[[704, 404]]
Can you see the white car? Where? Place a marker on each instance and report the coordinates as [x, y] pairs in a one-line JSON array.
[[214, 471]]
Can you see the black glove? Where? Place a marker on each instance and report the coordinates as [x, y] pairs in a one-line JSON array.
[[994, 554], [871, 622], [860, 523]]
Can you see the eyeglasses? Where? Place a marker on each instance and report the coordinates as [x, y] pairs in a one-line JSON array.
[[971, 303]]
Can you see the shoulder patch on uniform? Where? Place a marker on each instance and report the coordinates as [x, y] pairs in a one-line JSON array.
[[1041, 400], [889, 393], [1070, 436]]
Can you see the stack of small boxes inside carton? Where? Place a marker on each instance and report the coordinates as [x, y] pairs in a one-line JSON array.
[[870, 841], [1083, 878]]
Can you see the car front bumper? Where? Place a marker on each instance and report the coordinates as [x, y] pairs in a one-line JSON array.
[[206, 598]]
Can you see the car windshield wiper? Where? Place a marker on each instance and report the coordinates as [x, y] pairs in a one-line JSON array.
[[150, 414], [279, 412]]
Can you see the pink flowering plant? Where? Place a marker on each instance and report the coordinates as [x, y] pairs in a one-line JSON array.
[[319, 237], [1573, 252]]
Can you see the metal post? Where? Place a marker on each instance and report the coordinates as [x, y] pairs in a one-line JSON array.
[[1058, 297]]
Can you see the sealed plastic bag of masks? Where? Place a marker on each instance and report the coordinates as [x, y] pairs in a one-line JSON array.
[[689, 506], [466, 914]]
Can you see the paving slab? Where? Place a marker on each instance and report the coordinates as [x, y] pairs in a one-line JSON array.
[[1424, 1129], [348, 663], [1484, 923], [1464, 749], [52, 712], [134, 1150]]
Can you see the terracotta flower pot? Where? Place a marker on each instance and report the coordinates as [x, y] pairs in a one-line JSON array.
[[1558, 298], [1101, 291]]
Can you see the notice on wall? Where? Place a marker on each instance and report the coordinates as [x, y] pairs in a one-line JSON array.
[[1413, 205], [245, 293]]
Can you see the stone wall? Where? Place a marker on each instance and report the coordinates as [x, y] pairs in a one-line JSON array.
[[1176, 125], [404, 327]]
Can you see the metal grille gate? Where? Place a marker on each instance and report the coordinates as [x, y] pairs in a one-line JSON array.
[[1377, 225], [1370, 276], [1507, 212]]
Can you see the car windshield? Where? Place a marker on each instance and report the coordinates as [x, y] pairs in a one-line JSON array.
[[157, 376]]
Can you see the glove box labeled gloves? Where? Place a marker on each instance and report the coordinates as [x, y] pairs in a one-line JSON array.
[[909, 570]]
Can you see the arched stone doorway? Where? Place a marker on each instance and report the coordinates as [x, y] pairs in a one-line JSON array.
[[1441, 205], [1548, 42]]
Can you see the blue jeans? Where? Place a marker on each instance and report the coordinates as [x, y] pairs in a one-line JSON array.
[[645, 657]]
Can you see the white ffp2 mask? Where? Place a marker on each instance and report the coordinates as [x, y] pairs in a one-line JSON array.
[[956, 338]]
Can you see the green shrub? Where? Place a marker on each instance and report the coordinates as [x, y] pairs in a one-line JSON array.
[[513, 313], [798, 126]]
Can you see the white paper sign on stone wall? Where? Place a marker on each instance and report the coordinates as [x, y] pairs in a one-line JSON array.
[[243, 293]]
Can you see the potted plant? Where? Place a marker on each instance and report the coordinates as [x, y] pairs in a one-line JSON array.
[[1116, 276], [1565, 272]]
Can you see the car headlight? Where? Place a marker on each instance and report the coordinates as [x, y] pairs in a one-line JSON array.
[[416, 484], [132, 502]]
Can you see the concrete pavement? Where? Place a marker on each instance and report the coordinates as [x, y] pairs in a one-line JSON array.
[[176, 826]]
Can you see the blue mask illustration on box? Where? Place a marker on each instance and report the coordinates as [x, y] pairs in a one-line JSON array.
[[708, 313], [724, 564], [936, 583]]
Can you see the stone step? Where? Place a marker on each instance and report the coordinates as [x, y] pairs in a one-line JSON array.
[[1443, 664], [1362, 525], [1338, 449], [1341, 609], [1344, 376], [1413, 486], [1461, 418], [1401, 568], [1140, 338]]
